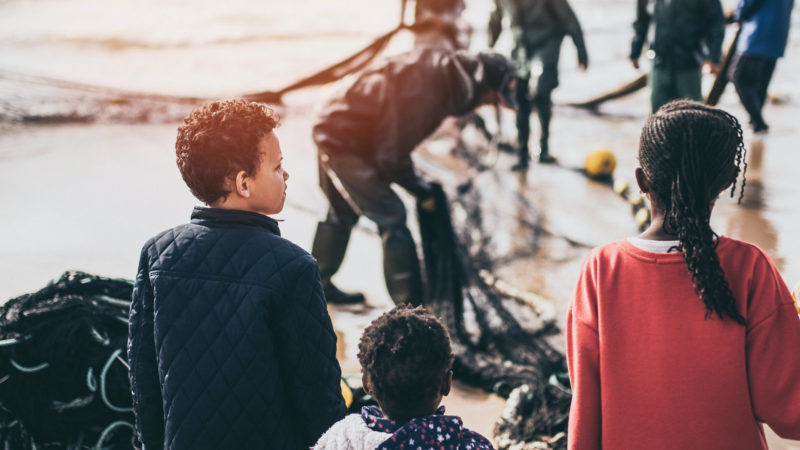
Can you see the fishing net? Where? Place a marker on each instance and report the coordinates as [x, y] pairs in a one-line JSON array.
[[29, 98], [499, 339], [63, 376]]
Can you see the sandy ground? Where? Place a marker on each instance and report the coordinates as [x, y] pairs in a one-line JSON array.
[[86, 197]]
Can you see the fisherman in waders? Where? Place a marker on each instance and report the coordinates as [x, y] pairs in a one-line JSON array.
[[686, 35], [539, 27], [365, 135]]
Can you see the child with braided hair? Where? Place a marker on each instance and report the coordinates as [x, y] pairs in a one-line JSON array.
[[681, 338], [407, 362]]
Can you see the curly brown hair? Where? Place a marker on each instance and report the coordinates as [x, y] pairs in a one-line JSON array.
[[690, 153], [219, 139], [406, 356]]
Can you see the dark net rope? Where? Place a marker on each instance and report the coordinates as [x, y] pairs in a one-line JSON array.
[[63, 375], [493, 349]]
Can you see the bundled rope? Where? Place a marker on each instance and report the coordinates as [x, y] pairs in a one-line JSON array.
[[494, 349], [63, 376]]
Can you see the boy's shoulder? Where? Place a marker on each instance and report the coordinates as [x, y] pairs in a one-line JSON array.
[[249, 245]]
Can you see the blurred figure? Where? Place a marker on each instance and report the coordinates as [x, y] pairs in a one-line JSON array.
[[539, 27], [686, 35], [765, 30], [449, 29], [365, 135]]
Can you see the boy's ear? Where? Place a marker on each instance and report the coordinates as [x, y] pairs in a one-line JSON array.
[[641, 180], [240, 184], [448, 382]]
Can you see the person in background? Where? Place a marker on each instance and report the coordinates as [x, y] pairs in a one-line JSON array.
[[680, 338], [447, 29], [230, 343], [539, 27], [765, 31], [365, 134], [685, 35], [407, 362]]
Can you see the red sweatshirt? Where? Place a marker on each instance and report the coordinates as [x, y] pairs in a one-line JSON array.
[[649, 371]]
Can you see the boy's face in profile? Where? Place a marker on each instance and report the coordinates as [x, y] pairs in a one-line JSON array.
[[267, 187]]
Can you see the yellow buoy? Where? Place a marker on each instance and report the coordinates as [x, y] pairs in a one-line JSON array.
[[637, 201], [621, 187], [642, 217], [347, 393], [600, 163]]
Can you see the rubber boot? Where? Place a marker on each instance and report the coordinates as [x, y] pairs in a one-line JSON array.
[[544, 109], [330, 244], [401, 266], [523, 123]]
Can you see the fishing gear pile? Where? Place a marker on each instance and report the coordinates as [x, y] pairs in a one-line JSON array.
[[63, 374], [499, 340]]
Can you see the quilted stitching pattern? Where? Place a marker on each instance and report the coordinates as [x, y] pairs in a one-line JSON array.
[[246, 350]]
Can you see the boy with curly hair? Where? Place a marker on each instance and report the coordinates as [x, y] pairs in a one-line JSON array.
[[230, 343], [407, 362]]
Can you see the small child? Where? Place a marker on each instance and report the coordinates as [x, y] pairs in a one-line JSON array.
[[680, 338], [407, 363], [230, 343]]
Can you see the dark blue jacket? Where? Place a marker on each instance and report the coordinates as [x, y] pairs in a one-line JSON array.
[[230, 343], [765, 27]]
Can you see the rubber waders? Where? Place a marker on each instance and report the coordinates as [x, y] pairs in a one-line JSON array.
[[401, 266], [330, 244]]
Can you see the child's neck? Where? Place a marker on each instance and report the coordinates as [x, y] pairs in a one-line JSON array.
[[655, 232], [405, 416]]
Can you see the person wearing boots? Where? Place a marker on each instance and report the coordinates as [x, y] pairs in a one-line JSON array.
[[539, 27], [365, 134], [765, 31]]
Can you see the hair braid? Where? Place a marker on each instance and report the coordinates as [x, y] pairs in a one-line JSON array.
[[690, 153]]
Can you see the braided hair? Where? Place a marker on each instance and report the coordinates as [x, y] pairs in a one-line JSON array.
[[406, 355], [690, 153]]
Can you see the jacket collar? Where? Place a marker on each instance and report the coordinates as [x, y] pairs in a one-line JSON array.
[[219, 216], [434, 431]]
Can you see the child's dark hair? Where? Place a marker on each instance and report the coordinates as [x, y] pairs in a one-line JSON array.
[[218, 140], [406, 356], [690, 153]]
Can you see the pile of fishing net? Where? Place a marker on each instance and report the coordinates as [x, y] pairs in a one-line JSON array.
[[499, 339], [63, 374]]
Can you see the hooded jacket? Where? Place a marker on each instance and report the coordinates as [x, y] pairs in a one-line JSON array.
[[681, 33], [230, 344], [386, 110], [372, 431]]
